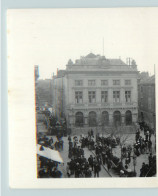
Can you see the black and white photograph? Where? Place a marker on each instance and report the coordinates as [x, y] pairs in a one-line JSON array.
[[93, 77]]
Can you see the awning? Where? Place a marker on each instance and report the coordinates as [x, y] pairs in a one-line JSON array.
[[49, 153]]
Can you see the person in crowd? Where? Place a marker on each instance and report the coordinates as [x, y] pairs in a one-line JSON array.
[[43, 173], [61, 144], [51, 141], [96, 169], [144, 170], [88, 173], [68, 170], [147, 135], [109, 165], [92, 133], [122, 173], [150, 145], [150, 158], [90, 161]]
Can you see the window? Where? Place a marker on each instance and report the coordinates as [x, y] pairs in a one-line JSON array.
[[116, 96], [104, 96], [91, 97], [116, 82], [128, 96], [78, 83], [127, 82], [104, 82], [79, 120], [128, 118], [78, 97], [91, 82]]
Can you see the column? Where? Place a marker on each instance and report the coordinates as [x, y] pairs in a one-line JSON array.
[[111, 118], [98, 112], [122, 96], [134, 117], [110, 96], [98, 96], [86, 118], [123, 119]]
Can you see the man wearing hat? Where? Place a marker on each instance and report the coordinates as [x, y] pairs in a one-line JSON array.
[[90, 160], [96, 169]]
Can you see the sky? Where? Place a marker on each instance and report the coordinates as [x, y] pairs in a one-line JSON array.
[[50, 37]]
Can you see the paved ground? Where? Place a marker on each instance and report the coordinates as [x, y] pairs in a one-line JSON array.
[[116, 151], [64, 155], [140, 159]]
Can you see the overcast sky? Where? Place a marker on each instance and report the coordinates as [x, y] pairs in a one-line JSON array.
[[50, 37]]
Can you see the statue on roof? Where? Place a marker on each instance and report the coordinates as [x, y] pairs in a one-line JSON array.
[[133, 64], [70, 62]]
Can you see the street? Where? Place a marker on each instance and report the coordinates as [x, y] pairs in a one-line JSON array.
[[104, 171]]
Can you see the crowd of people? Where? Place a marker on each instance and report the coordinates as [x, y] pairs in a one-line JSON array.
[[49, 168], [48, 142], [143, 145], [102, 157], [79, 166], [103, 154], [101, 147]]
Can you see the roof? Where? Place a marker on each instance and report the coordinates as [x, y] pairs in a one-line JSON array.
[[109, 61], [90, 55], [116, 62], [150, 80]]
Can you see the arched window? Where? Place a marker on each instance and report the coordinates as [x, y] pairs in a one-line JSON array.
[[128, 118], [105, 118], [79, 119], [92, 119], [117, 118]]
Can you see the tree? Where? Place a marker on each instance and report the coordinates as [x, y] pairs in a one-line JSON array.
[[119, 135]]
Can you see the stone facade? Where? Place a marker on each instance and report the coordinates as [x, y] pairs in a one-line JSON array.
[[95, 91], [44, 92], [146, 97]]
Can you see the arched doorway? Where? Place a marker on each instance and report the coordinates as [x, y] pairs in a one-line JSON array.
[[79, 119], [105, 118], [117, 118], [128, 117], [92, 119]]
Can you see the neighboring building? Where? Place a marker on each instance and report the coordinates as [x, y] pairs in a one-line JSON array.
[[143, 76], [59, 95], [146, 101], [44, 92], [95, 91], [36, 76]]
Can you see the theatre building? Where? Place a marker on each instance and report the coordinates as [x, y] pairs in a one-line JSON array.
[[96, 92]]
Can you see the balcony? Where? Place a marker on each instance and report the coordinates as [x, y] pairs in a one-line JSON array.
[[105, 104], [117, 104]]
